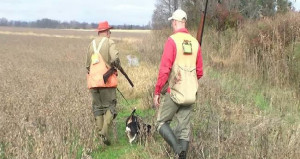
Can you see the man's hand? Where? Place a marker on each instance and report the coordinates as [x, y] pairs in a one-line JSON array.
[[156, 101]]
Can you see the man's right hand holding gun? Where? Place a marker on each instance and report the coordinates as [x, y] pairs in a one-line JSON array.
[[116, 65]]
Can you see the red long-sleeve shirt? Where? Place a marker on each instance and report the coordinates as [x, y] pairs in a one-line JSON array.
[[167, 60]]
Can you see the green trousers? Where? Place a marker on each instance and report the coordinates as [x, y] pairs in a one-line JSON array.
[[103, 99], [169, 110], [104, 108]]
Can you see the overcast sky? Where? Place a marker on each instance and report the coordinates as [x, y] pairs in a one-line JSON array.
[[296, 4], [137, 12]]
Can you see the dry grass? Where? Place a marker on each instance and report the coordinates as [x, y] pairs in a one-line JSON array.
[[45, 105], [121, 35], [249, 107], [44, 102], [246, 108]]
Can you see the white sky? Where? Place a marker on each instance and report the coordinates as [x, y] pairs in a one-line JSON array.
[[137, 12], [116, 12], [296, 4]]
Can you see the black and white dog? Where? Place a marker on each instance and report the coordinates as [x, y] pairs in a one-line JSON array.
[[135, 127]]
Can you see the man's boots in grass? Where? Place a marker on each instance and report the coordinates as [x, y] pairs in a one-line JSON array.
[[166, 132], [108, 117], [185, 147], [99, 123]]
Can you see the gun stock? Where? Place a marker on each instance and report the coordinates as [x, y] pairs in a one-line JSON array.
[[108, 74], [112, 70]]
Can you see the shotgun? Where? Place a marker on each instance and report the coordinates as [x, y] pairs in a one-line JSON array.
[[113, 70], [201, 24]]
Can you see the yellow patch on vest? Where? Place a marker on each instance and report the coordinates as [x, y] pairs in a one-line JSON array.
[[95, 58]]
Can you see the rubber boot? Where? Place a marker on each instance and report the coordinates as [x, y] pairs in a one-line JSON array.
[[185, 147], [99, 123], [108, 116], [166, 132]]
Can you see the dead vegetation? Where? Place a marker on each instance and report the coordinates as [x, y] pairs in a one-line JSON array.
[[248, 102], [248, 105], [45, 104]]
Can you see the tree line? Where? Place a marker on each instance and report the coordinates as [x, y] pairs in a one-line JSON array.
[[221, 13], [49, 23]]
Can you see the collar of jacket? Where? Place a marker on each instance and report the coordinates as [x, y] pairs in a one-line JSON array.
[[182, 30]]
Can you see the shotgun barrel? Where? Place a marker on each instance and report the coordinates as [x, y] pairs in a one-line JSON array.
[[201, 24]]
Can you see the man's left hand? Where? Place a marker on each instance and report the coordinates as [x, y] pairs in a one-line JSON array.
[[156, 101]]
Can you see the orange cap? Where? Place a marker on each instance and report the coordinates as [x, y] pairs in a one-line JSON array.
[[103, 26]]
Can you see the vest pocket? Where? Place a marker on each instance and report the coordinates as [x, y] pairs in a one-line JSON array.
[[184, 85]]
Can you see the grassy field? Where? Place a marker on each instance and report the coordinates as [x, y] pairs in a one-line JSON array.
[[45, 104], [248, 104]]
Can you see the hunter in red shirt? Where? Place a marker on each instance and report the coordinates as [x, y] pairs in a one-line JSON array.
[[167, 60], [181, 65]]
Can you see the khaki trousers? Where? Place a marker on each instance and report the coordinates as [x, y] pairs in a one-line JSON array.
[[168, 110]]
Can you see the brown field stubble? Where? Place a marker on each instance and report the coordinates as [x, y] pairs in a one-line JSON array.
[[44, 102], [45, 107], [247, 106]]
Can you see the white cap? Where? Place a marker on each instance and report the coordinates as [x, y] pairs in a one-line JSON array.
[[178, 15]]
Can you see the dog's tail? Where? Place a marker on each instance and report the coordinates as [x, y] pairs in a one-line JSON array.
[[132, 113], [130, 118]]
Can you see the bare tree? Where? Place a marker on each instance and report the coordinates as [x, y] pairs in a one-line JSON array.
[[252, 9], [164, 9]]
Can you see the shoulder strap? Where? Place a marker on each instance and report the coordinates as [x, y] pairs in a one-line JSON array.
[[96, 50]]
